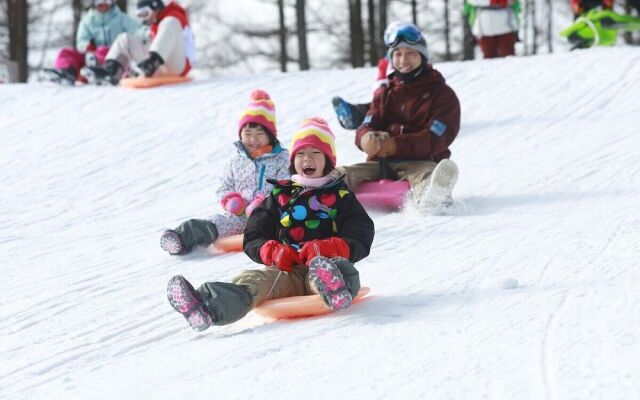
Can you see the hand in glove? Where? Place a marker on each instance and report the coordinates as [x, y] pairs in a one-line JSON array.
[[234, 203], [279, 254], [255, 203], [388, 145], [330, 248], [370, 143]]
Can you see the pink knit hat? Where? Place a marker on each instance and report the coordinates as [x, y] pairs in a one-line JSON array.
[[259, 111], [315, 132]]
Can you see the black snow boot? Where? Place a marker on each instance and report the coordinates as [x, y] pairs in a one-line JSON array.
[[151, 64]]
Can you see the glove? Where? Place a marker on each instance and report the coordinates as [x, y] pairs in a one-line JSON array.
[[279, 254], [234, 203], [330, 248], [370, 143], [255, 203], [388, 146]]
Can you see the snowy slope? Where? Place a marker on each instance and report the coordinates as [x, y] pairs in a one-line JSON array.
[[548, 195]]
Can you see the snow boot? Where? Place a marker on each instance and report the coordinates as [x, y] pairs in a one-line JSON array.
[[438, 193], [344, 113], [327, 280], [171, 242], [108, 74], [149, 66], [65, 76], [186, 300]]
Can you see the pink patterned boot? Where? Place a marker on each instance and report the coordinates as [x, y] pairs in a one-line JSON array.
[[327, 280], [186, 300]]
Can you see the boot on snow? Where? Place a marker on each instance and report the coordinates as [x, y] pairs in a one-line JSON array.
[[186, 300], [438, 194], [171, 242], [327, 280], [108, 74]]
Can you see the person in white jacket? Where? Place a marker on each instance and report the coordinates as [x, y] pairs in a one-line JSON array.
[[495, 24]]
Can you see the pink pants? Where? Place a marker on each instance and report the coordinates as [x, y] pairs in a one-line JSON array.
[[70, 57]]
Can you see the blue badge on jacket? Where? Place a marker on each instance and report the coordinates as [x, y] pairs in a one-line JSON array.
[[367, 119], [438, 127]]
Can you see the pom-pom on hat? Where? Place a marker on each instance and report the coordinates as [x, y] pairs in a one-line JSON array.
[[260, 111], [315, 132]]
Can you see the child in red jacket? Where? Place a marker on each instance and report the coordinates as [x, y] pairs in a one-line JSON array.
[[308, 233]]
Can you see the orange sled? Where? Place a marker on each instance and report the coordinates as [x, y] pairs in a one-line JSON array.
[[142, 82]]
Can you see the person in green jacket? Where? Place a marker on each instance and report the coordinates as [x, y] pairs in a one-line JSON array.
[[598, 27], [97, 30]]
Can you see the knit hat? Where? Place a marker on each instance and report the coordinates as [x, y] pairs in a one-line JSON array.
[[315, 132], [405, 35], [260, 111], [152, 4]]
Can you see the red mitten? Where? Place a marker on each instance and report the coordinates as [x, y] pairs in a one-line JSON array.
[[332, 247], [279, 254], [254, 203], [234, 203]]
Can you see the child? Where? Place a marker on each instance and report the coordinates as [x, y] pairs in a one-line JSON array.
[[244, 186], [308, 233]]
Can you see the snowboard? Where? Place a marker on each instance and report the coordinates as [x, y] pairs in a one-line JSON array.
[[142, 82], [301, 306]]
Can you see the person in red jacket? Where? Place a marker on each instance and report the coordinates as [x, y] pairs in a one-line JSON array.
[[581, 6], [170, 52], [411, 124]]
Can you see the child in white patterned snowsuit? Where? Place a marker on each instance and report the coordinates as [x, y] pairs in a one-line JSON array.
[[244, 185]]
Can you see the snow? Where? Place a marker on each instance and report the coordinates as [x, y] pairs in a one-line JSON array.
[[528, 289]]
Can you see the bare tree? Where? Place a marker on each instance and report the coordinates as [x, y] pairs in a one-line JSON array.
[[357, 34], [534, 26], [18, 21], [77, 8], [447, 32], [302, 35], [414, 11], [283, 37], [373, 33], [382, 17], [550, 25], [468, 40]]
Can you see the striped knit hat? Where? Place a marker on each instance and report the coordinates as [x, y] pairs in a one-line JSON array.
[[260, 111], [315, 132]]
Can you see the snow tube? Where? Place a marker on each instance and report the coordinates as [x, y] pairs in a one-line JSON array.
[[300, 306], [384, 194], [142, 82]]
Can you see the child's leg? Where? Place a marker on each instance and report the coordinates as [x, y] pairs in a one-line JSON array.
[[229, 224], [272, 283], [69, 58], [350, 274], [326, 279], [127, 47], [169, 45], [357, 173], [417, 173]]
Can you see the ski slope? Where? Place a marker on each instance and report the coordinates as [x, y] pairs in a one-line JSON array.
[[528, 290]]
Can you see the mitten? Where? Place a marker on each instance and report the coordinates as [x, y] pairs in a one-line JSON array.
[[254, 203], [388, 145], [234, 203], [330, 248], [281, 255], [370, 143]]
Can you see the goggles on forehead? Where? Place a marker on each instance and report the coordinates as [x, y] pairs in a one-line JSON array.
[[144, 13], [405, 32]]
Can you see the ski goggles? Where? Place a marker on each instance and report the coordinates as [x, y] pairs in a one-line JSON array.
[[402, 32], [102, 2], [144, 13]]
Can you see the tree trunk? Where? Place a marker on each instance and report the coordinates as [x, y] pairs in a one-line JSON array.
[[374, 41], [17, 13], [77, 8], [534, 26], [357, 34], [302, 35], [283, 37], [550, 25], [525, 26], [469, 42], [447, 32], [414, 11], [382, 17]]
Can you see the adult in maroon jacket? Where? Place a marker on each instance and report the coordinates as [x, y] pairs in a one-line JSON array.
[[411, 123]]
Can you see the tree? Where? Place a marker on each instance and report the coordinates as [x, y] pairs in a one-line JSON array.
[[357, 34], [382, 17], [17, 17], [283, 37], [373, 33], [77, 8], [302, 35], [447, 32]]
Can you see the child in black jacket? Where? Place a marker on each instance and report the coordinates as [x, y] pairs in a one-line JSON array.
[[308, 233]]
